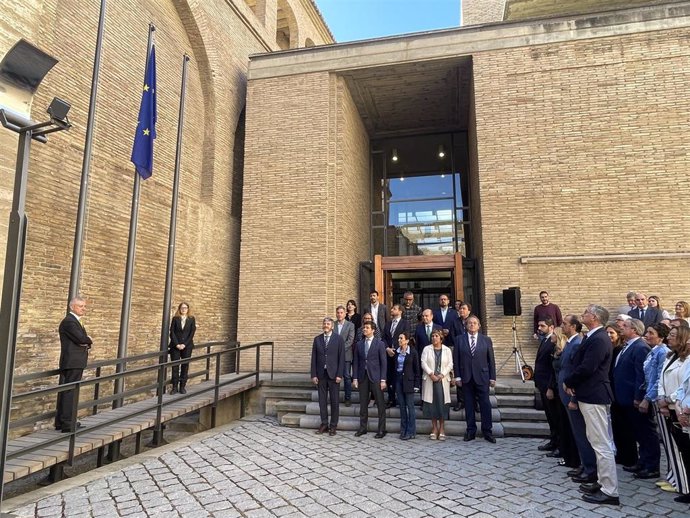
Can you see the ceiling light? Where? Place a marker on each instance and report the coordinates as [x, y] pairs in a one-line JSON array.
[[441, 151], [394, 155]]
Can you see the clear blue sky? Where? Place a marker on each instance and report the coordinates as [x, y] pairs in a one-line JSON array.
[[362, 19]]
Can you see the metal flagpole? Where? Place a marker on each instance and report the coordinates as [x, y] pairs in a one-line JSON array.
[[165, 325], [86, 164], [129, 269]]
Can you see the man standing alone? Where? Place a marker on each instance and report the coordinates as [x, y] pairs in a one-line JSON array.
[[74, 353], [327, 365]]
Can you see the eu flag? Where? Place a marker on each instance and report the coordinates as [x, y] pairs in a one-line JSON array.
[[142, 151]]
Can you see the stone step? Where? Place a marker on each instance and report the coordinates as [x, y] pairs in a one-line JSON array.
[[526, 388], [394, 413], [525, 429], [522, 414], [291, 420], [351, 424], [515, 401], [298, 381], [290, 406], [355, 398], [271, 396]]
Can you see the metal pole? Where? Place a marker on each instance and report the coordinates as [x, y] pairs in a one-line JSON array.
[[11, 293], [129, 268], [86, 164], [170, 266]]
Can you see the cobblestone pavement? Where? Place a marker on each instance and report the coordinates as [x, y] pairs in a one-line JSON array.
[[256, 468]]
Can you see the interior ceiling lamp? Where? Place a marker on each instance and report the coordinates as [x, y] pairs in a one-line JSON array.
[[441, 151], [394, 155]]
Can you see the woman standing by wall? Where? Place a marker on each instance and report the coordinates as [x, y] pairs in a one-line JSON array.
[[182, 329]]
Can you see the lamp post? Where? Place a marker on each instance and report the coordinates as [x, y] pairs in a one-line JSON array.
[[28, 131]]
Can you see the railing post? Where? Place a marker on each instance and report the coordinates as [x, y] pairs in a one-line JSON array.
[[96, 392], [216, 391], [157, 438], [208, 363], [237, 359], [272, 358], [73, 423], [258, 363]]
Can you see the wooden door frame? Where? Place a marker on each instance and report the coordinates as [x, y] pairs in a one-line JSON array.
[[383, 266]]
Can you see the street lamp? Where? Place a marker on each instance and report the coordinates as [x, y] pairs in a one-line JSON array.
[[21, 71]]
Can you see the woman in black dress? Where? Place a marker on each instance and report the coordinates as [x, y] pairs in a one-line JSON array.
[[182, 329], [352, 315]]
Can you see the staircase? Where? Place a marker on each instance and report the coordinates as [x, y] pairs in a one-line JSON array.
[[293, 399]]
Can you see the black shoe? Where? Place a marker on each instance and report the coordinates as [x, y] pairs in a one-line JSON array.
[[348, 402], [549, 446], [601, 498], [683, 499], [390, 404], [490, 438], [380, 435], [69, 429], [323, 428], [576, 472], [584, 479], [554, 454], [359, 433], [476, 407], [406, 437], [174, 390], [331, 431], [645, 474], [468, 437], [590, 489], [183, 390], [632, 469]]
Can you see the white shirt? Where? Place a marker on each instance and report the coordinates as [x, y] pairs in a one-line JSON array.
[[183, 321], [592, 331]]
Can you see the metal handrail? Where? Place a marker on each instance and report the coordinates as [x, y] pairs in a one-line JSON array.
[[160, 403]]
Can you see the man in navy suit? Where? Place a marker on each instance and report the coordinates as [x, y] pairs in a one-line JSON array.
[[327, 367], [544, 378], [369, 375], [393, 329], [74, 353], [422, 334], [629, 390], [445, 316], [644, 312], [460, 328], [475, 372], [589, 382]]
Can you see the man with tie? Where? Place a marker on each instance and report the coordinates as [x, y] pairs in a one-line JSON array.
[[346, 330], [390, 336], [475, 372], [369, 366], [644, 312], [589, 382], [544, 379], [445, 316], [74, 353], [629, 390], [422, 334], [378, 311], [460, 328], [327, 365]]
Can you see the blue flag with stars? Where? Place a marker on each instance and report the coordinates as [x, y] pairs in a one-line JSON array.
[[142, 151]]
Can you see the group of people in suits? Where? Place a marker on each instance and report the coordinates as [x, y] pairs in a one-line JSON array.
[[389, 356], [626, 380], [75, 344]]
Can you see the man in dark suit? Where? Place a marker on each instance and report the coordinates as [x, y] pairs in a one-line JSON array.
[[445, 316], [346, 330], [644, 312], [460, 328], [378, 311], [544, 378], [327, 366], [589, 382], [629, 391], [74, 353], [475, 372], [393, 329], [422, 334], [369, 366]]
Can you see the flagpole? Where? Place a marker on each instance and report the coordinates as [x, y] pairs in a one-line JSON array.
[[169, 269], [129, 269], [86, 163]]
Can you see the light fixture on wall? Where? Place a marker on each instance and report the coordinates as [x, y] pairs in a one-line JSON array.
[[394, 155], [441, 151]]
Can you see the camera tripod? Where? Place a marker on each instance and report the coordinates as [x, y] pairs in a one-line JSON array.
[[526, 372]]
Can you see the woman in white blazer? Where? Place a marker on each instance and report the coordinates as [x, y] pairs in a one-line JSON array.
[[437, 365]]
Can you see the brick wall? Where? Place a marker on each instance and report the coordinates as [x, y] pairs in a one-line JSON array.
[[219, 36], [582, 150], [476, 12]]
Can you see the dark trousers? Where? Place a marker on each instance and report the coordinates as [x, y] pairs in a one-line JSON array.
[[180, 373], [587, 456], [366, 390], [567, 443], [347, 377], [408, 423], [551, 411], [646, 435], [329, 389], [479, 391], [391, 375], [623, 436], [65, 400]]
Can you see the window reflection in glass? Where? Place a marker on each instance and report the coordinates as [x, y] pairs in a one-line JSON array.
[[420, 187]]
